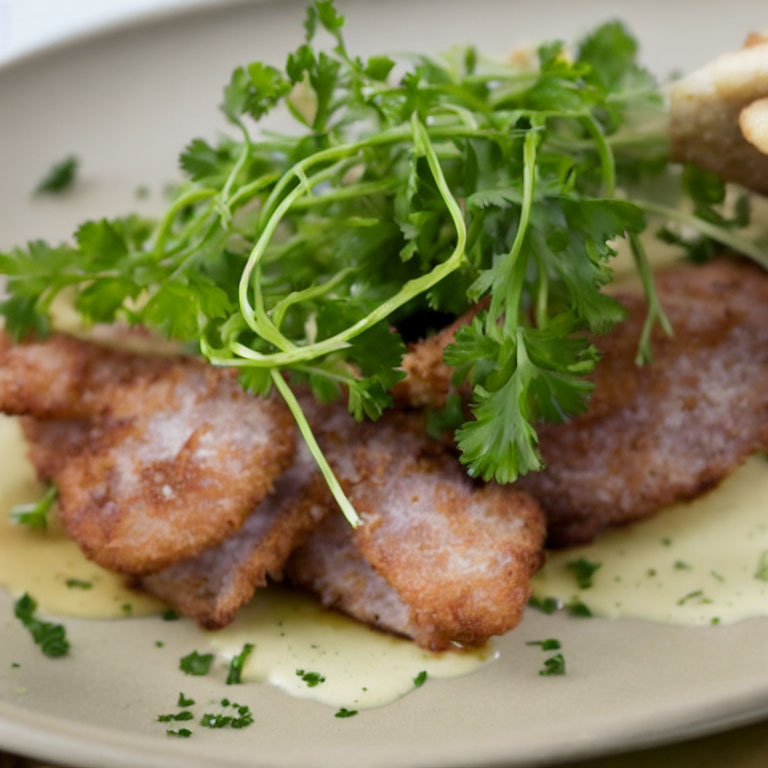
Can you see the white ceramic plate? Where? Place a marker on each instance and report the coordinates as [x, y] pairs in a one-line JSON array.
[[125, 102]]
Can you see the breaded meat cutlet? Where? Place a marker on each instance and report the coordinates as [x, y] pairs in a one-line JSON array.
[[668, 431], [428, 378], [171, 458], [212, 586], [672, 429], [710, 122], [458, 556]]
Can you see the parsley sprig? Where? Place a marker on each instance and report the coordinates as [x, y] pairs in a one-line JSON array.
[[407, 188]]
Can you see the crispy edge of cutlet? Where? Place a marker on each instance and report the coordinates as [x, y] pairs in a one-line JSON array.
[[673, 429], [212, 586], [143, 488], [432, 534]]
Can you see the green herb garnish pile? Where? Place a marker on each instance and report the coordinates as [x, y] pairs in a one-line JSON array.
[[404, 194]]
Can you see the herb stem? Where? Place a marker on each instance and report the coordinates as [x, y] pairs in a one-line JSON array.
[[655, 311], [164, 226], [306, 432], [718, 234]]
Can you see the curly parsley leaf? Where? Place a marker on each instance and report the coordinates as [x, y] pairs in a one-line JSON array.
[[295, 256], [60, 177]]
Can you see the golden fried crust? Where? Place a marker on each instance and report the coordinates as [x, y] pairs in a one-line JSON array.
[[458, 555], [174, 456], [672, 429], [212, 586], [331, 564], [66, 378], [428, 378]]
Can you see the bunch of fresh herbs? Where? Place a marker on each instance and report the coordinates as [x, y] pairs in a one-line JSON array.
[[408, 189]]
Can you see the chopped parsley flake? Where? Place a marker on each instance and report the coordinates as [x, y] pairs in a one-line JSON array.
[[183, 733], [577, 608], [681, 565], [555, 665], [716, 575], [584, 570], [235, 673], [215, 721], [35, 514], [184, 701], [15, 664], [651, 572], [60, 177], [159, 643], [196, 663], [50, 637], [666, 542], [127, 609], [180, 717], [218, 720], [79, 584], [310, 678], [715, 620], [545, 604], [420, 679], [550, 644], [762, 567], [344, 712], [685, 598], [170, 615]]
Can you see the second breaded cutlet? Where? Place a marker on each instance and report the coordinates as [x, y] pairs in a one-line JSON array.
[[438, 558], [660, 433], [170, 455]]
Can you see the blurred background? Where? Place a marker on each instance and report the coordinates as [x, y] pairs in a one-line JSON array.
[[29, 24]]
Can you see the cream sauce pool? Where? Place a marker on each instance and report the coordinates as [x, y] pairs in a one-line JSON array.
[[702, 562], [297, 643]]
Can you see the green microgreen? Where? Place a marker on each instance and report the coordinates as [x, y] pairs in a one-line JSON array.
[[296, 256]]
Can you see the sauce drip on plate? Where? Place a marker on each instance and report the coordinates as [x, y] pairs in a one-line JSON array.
[[360, 667], [45, 562], [702, 562]]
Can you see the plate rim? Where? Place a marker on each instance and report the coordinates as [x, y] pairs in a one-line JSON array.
[[95, 746]]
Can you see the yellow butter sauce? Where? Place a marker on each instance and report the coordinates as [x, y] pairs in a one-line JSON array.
[[43, 561], [702, 562], [360, 667]]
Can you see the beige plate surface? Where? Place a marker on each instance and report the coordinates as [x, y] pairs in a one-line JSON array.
[[125, 102]]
